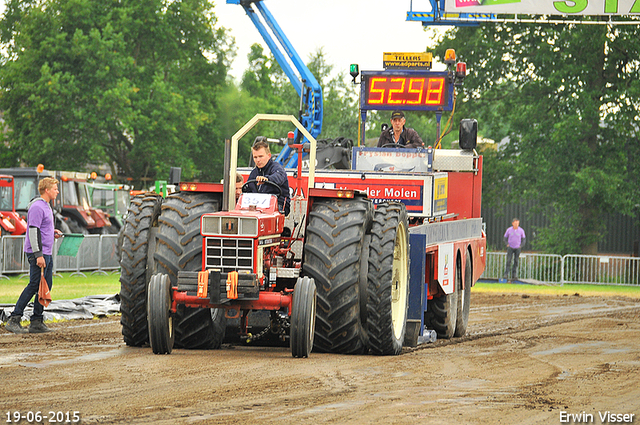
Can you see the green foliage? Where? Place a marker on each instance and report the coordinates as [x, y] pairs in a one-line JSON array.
[[133, 84], [562, 99]]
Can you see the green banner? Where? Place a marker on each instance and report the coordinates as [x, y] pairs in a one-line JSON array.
[[545, 7]]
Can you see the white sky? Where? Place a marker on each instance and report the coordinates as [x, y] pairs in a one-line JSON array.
[[349, 31]]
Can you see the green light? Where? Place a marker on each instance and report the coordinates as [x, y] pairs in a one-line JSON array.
[[354, 70]]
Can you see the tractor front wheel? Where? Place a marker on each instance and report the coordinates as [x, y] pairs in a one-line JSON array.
[[161, 334], [303, 317]]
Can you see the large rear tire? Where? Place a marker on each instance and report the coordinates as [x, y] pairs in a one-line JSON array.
[[135, 272], [303, 317], [442, 312], [464, 299], [388, 279], [332, 257], [161, 332], [179, 247]]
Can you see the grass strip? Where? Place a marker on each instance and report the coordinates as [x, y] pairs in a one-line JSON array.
[[567, 289], [65, 287]]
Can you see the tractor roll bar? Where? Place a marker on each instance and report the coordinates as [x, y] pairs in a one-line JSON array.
[[230, 182]]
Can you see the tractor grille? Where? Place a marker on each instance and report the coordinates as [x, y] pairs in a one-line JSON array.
[[229, 254]]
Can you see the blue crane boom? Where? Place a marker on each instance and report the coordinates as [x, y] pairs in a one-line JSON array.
[[304, 82]]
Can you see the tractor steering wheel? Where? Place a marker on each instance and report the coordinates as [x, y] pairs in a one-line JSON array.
[[245, 187], [393, 145]]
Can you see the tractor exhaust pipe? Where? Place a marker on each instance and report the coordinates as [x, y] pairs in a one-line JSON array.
[[228, 180]]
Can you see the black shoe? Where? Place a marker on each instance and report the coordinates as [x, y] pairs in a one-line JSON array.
[[38, 327], [13, 325]]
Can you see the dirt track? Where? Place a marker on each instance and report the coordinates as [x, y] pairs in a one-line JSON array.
[[526, 359]]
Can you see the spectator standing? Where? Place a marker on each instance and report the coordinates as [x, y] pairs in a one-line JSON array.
[[515, 239], [38, 245]]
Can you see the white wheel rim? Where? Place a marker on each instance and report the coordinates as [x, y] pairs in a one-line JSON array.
[[400, 280]]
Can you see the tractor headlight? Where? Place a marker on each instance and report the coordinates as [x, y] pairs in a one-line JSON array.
[[210, 225], [241, 226]]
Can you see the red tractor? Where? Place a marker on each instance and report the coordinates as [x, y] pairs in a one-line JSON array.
[[75, 204], [193, 267], [334, 275], [186, 268], [11, 222]]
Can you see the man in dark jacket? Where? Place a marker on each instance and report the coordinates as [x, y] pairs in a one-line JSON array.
[[268, 170], [399, 134]]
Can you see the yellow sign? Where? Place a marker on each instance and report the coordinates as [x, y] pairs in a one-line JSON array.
[[395, 60], [441, 186], [440, 195]]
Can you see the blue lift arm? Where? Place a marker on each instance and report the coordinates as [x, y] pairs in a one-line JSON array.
[[305, 83]]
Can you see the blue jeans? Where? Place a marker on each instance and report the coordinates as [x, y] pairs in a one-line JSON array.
[[512, 271], [33, 286]]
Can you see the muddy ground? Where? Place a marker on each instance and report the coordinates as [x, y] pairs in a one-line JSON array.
[[526, 360]]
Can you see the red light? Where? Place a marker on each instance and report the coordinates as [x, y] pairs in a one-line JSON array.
[[461, 69]]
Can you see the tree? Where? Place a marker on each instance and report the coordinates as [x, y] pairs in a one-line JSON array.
[[340, 106], [130, 83], [565, 101], [271, 91]]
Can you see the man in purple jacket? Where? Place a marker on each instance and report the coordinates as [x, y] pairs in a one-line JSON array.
[[38, 245], [515, 238]]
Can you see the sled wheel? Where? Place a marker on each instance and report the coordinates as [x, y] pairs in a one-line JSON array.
[[442, 312], [161, 335], [303, 317], [464, 298]]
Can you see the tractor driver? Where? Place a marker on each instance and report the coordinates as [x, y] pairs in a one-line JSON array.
[[268, 170], [399, 134]]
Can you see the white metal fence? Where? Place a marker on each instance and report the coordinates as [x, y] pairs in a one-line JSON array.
[[571, 268], [97, 253]]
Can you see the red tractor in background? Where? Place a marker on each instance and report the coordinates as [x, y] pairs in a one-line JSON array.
[[72, 208], [10, 221], [74, 203]]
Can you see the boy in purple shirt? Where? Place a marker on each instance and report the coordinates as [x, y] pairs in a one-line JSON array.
[[515, 238], [38, 246]]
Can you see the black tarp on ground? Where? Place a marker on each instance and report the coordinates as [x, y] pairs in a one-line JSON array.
[[79, 308]]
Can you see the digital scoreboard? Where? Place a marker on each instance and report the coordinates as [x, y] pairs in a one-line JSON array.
[[406, 90]]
